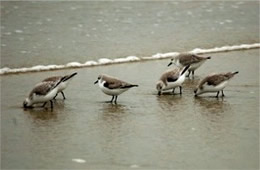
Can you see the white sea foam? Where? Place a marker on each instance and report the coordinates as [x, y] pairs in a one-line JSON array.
[[78, 160], [19, 31], [105, 61]]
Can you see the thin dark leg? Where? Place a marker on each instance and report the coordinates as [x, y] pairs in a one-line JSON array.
[[180, 90], [55, 96], [193, 73], [217, 94], [112, 99], [44, 104], [51, 104], [116, 100], [63, 95], [188, 74], [173, 90], [222, 93]]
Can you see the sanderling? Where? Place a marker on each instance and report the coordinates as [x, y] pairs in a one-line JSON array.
[[185, 59], [214, 83], [172, 79], [42, 93], [113, 86], [63, 85]]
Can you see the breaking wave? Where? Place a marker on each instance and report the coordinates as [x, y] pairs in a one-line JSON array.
[[105, 61]]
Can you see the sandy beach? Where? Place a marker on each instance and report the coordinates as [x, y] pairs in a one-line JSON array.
[[143, 130]]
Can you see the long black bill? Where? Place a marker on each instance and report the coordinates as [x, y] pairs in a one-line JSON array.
[[169, 64], [96, 82]]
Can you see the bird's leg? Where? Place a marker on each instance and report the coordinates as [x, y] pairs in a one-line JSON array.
[[55, 96], [173, 90], [188, 74], [193, 73], [180, 90], [111, 101], [217, 94], [222, 93], [63, 95], [51, 104], [44, 104], [116, 100]]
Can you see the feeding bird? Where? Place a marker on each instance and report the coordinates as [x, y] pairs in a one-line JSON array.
[[43, 92], [171, 79], [214, 83], [63, 85]]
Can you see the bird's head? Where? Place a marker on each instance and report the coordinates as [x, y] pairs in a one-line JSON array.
[[27, 103]]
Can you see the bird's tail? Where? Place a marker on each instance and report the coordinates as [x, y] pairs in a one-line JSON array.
[[185, 69], [61, 80], [235, 72], [130, 86], [67, 77]]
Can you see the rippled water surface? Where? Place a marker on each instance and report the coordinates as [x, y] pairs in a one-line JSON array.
[[34, 33], [143, 130]]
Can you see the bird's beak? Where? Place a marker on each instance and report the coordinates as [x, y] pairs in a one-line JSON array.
[[170, 64], [96, 82]]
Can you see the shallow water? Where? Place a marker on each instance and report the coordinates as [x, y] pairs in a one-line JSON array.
[[143, 130], [46, 33]]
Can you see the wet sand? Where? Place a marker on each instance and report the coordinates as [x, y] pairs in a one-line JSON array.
[[143, 130]]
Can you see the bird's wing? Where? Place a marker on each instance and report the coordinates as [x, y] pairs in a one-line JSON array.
[[213, 80], [187, 59], [54, 78], [170, 76], [42, 88], [114, 83], [216, 79]]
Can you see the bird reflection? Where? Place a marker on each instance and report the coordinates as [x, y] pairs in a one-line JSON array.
[[110, 111], [112, 119], [212, 107], [45, 113], [169, 102]]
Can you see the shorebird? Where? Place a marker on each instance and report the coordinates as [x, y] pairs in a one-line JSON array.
[[214, 83], [43, 92], [113, 86], [172, 79], [63, 85], [185, 59]]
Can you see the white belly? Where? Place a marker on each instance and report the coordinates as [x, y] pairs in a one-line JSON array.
[[195, 65], [112, 92], [62, 86], [221, 86], [48, 97], [175, 84]]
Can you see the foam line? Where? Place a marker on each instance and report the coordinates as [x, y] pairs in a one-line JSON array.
[[105, 61]]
